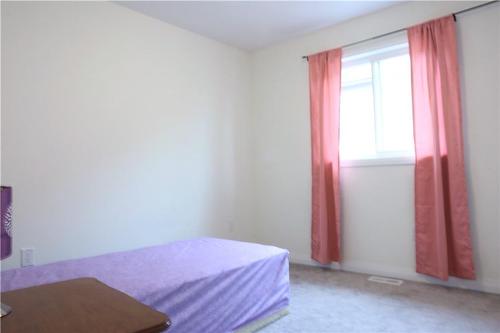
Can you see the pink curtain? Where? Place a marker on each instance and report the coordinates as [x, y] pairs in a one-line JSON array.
[[443, 244], [324, 85]]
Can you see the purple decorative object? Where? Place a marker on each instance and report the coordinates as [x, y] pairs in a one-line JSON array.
[[6, 205], [205, 285]]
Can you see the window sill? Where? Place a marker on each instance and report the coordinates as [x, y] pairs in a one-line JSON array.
[[407, 160]]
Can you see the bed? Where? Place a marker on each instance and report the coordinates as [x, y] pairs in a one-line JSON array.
[[204, 285]]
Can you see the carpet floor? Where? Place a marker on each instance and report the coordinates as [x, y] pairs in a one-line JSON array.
[[324, 301]]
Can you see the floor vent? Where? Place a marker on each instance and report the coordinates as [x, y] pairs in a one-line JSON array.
[[380, 279]]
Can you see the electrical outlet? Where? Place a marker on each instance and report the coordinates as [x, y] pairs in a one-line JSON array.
[[230, 226], [27, 257]]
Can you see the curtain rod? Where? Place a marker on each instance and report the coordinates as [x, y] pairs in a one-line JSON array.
[[403, 29]]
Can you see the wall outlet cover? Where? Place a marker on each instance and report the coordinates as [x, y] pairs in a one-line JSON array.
[[27, 257]]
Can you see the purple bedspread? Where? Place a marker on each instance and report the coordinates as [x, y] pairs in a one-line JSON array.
[[204, 285]]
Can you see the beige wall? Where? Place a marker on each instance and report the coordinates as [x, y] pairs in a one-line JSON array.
[[119, 131], [377, 210]]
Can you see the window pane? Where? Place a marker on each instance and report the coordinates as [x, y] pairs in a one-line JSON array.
[[356, 74], [395, 127], [357, 123]]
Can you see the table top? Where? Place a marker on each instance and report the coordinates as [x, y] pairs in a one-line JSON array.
[[79, 305]]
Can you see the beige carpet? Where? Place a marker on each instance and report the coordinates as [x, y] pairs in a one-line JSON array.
[[332, 301]]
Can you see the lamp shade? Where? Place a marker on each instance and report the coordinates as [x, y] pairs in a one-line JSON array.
[[6, 240]]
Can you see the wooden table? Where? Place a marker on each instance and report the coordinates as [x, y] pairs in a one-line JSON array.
[[81, 305]]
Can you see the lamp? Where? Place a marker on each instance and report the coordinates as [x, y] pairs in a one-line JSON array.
[[6, 234]]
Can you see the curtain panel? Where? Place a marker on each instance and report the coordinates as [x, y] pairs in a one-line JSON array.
[[442, 236], [324, 85]]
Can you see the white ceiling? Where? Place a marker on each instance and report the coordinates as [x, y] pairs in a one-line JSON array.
[[254, 24]]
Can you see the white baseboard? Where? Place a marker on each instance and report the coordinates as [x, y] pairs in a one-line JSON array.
[[487, 285]]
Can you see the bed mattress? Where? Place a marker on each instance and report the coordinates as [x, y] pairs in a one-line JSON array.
[[204, 285]]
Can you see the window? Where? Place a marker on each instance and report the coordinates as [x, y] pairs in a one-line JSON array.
[[376, 125]]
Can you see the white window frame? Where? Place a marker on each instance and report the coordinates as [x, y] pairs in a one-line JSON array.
[[371, 52]]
